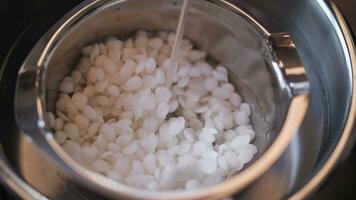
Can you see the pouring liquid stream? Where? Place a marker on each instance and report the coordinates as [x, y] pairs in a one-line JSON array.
[[180, 30]]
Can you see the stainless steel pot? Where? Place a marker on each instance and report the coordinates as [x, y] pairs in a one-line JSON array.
[[265, 63], [289, 165]]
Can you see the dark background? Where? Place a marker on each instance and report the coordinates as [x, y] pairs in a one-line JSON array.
[[36, 16]]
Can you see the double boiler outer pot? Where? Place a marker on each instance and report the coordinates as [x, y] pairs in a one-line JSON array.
[[293, 159], [265, 67]]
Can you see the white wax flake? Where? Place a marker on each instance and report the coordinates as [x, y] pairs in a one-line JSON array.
[[76, 76], [100, 166], [162, 110], [194, 72], [89, 91], [173, 106], [147, 102], [241, 118], [92, 130], [183, 82], [165, 160], [89, 154], [210, 130], [187, 162], [72, 131], [113, 44], [89, 112], [107, 132], [149, 143], [150, 123], [189, 134], [102, 100], [240, 141], [210, 154], [72, 148], [176, 125], [223, 164], [60, 137], [124, 139], [183, 71], [104, 62], [150, 65], [155, 43], [133, 83], [160, 77], [222, 148], [207, 165], [192, 184], [233, 160], [113, 90], [163, 94], [173, 150], [122, 165], [210, 83], [245, 155], [205, 68], [207, 137], [79, 100], [100, 86], [192, 96], [199, 148], [195, 55], [245, 108], [67, 85], [184, 147], [219, 75], [99, 73], [150, 81], [153, 185], [221, 93], [130, 149], [150, 162], [195, 123], [130, 113], [81, 121]]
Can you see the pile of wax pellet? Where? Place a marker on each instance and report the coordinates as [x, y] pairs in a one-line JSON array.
[[130, 113]]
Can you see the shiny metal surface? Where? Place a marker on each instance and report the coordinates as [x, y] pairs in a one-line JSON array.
[[347, 139], [11, 179], [282, 80], [326, 48], [319, 134]]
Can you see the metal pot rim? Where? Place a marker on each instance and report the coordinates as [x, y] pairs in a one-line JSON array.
[[347, 139], [44, 138], [224, 186]]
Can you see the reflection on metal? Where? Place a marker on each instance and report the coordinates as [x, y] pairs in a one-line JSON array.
[[228, 39], [66, 39], [290, 62], [13, 181], [346, 139]]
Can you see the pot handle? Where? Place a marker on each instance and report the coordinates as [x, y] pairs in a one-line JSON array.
[[292, 80], [288, 65]]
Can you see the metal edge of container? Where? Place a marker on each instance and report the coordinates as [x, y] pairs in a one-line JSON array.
[[25, 191], [297, 108], [347, 139]]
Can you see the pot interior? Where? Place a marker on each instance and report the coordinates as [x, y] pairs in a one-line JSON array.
[[227, 36]]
